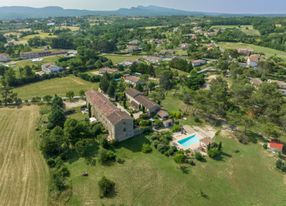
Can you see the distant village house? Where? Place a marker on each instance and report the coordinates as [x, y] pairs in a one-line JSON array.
[[51, 68]]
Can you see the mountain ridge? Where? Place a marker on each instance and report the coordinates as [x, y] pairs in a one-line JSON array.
[[22, 12]]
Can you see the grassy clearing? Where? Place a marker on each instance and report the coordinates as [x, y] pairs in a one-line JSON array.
[[116, 58], [172, 104], [57, 86], [24, 174], [247, 29], [248, 176], [29, 62], [42, 35], [267, 51], [72, 28]]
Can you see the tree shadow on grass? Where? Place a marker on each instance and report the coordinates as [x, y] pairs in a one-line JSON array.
[[222, 156], [72, 155], [111, 194], [254, 137], [134, 144]]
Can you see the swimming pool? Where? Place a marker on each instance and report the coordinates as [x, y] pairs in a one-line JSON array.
[[188, 141]]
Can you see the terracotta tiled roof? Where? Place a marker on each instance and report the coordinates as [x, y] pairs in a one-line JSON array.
[[132, 78], [254, 58], [276, 145], [147, 103], [163, 114], [106, 108], [139, 97], [108, 70], [133, 92]]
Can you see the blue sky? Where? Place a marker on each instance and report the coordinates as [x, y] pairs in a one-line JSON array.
[[227, 6]]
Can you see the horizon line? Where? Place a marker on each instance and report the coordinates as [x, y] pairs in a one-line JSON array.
[[194, 11]]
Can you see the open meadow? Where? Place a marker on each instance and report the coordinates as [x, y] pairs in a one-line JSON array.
[[59, 86], [29, 62], [24, 175], [246, 172], [247, 29], [43, 35], [117, 58], [267, 51]]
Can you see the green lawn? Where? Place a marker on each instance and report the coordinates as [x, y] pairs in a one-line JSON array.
[[42, 35], [247, 29], [267, 51], [116, 58], [28, 62], [244, 177], [172, 103], [57, 86]]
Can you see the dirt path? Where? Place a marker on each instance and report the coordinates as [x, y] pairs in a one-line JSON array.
[[24, 174]]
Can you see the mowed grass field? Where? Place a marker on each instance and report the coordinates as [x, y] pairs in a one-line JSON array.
[[42, 35], [247, 29], [59, 86], [24, 175], [116, 58], [267, 51], [244, 176], [28, 62]]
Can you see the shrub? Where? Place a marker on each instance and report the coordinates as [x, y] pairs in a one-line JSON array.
[[155, 143], [214, 150], [199, 156], [180, 158], [106, 156], [172, 150], [280, 164], [106, 187], [176, 128], [146, 148], [162, 148]]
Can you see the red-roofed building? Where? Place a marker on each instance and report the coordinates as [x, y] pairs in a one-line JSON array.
[[275, 146], [118, 123]]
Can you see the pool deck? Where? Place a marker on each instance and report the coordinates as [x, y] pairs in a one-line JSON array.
[[201, 133]]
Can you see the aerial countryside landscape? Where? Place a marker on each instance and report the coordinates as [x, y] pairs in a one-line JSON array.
[[143, 103]]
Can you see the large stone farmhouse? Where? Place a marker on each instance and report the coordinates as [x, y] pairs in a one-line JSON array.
[[137, 100], [118, 123]]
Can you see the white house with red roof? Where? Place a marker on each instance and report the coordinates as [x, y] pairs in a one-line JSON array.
[[275, 146]]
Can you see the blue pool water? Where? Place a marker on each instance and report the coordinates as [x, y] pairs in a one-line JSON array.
[[188, 141]]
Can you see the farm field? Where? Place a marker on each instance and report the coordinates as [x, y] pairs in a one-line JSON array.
[[116, 58], [29, 62], [24, 176], [72, 28], [246, 172], [42, 35], [57, 86], [267, 51], [247, 29]]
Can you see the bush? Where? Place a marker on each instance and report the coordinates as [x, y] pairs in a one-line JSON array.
[[162, 148], [280, 164], [214, 150], [199, 156], [176, 128], [146, 148], [106, 156], [172, 150], [106, 187], [180, 158], [155, 143]]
